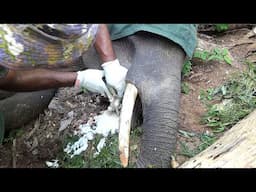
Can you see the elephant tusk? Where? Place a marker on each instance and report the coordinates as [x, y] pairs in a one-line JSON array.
[[128, 102]]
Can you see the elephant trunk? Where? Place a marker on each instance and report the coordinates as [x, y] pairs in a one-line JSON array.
[[160, 123], [156, 72]]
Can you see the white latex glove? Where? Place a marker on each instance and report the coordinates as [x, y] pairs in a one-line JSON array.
[[91, 79], [115, 75]]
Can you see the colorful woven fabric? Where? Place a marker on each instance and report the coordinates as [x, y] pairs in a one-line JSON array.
[[25, 46]]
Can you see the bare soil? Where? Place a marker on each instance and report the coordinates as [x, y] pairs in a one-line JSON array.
[[41, 140]]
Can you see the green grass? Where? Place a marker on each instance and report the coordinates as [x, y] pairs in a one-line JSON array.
[[205, 141], [221, 27], [226, 105], [185, 88], [107, 158], [186, 69], [232, 101], [76, 162], [216, 54]]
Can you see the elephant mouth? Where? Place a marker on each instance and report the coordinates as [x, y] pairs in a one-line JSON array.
[[128, 103]]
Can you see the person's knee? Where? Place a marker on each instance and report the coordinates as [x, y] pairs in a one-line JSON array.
[[20, 108], [5, 94]]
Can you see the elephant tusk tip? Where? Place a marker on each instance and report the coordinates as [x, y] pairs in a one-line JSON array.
[[174, 163], [123, 159]]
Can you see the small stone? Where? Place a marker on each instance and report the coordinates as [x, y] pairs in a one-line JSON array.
[[35, 152]]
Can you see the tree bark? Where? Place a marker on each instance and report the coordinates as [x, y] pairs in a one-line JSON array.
[[235, 149]]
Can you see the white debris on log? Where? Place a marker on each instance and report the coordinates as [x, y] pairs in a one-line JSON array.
[[105, 124]]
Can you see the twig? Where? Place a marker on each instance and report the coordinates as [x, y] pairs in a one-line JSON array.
[[235, 30], [239, 44], [36, 126], [14, 153]]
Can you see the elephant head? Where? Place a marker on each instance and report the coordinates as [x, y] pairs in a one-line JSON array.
[[154, 66]]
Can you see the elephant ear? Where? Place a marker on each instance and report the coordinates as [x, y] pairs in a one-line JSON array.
[[1, 128]]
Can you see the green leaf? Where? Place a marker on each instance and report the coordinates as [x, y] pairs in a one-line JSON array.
[[221, 27], [219, 129], [224, 52], [186, 133], [201, 54], [224, 90], [205, 55], [213, 124], [227, 59], [185, 88], [217, 51], [197, 54], [220, 58], [187, 67], [212, 57]]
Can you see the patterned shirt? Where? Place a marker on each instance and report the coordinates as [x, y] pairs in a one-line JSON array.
[[26, 46]]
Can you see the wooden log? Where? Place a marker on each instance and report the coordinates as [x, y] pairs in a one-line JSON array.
[[235, 149]]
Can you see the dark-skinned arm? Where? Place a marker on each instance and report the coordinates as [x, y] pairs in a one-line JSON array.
[[39, 79], [103, 44], [114, 72]]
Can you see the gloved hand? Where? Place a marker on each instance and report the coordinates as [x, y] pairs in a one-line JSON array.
[[115, 75], [91, 79]]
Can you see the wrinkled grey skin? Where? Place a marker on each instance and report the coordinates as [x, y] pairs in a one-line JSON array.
[[154, 65]]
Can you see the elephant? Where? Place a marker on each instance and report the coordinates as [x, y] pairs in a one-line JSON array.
[[154, 66]]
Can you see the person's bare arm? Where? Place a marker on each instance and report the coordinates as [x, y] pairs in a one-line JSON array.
[[114, 73], [38, 79], [103, 44]]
